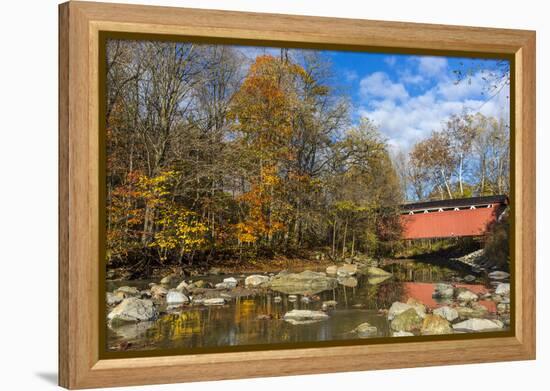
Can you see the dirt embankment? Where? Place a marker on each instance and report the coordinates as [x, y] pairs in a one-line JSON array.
[[261, 265]]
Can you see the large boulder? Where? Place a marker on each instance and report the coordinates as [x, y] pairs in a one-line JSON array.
[[332, 269], [126, 291], [132, 309], [231, 282], [200, 284], [408, 320], [145, 294], [446, 312], [474, 311], [398, 307], [435, 325], [158, 291], [256, 281], [503, 289], [469, 278], [476, 324], [182, 286], [465, 296], [419, 307], [176, 297], [443, 291], [113, 299], [297, 317], [366, 330], [498, 275], [306, 282]]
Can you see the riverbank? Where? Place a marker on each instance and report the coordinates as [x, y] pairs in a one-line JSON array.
[[313, 261], [444, 252]]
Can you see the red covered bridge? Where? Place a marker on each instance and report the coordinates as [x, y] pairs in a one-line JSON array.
[[451, 218]]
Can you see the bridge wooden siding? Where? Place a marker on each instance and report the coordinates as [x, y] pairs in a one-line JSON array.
[[451, 218]]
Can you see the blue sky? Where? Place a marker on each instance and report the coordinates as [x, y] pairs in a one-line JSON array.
[[409, 96]]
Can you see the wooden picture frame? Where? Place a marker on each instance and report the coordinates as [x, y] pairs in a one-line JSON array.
[[80, 24]]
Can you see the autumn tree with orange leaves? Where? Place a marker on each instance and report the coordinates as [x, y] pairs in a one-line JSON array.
[[263, 112]]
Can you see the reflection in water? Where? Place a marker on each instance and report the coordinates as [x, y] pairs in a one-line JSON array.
[[259, 319]]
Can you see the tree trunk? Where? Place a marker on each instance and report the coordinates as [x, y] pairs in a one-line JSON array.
[[344, 241], [353, 243], [461, 162], [146, 225], [482, 181], [334, 238], [446, 184]]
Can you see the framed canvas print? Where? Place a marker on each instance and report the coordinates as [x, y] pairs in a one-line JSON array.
[[273, 194]]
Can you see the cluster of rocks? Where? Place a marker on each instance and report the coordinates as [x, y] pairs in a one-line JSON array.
[[309, 283], [465, 314], [408, 317], [478, 263], [473, 259], [129, 304]]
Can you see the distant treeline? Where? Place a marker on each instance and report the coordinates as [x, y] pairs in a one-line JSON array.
[[469, 156]]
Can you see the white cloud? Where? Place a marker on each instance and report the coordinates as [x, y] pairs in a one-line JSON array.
[[495, 105], [407, 77], [379, 85], [407, 120], [433, 66], [450, 89], [350, 75]]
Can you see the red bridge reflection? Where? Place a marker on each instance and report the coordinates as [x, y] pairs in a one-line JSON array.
[[423, 292]]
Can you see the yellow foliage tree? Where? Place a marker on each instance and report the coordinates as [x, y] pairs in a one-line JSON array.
[[180, 230], [142, 206]]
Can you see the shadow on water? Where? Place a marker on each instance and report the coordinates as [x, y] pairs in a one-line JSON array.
[[448, 265]]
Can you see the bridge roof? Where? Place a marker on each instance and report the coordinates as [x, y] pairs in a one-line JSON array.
[[455, 203]]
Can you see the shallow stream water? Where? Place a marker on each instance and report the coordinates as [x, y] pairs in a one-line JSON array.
[[258, 319]]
